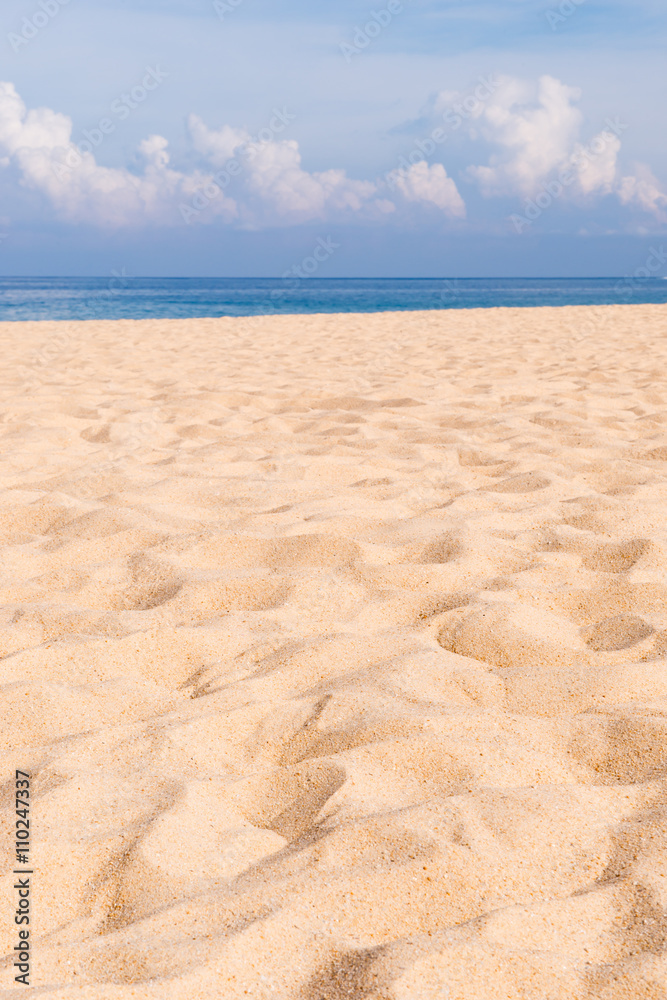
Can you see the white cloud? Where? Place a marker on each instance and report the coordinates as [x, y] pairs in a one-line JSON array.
[[216, 147], [269, 183], [535, 138], [21, 129], [38, 144], [423, 183], [596, 165], [277, 179], [539, 138], [253, 183], [643, 190]]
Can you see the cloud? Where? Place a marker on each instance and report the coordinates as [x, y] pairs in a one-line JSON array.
[[267, 182], [535, 139], [29, 130], [37, 144], [538, 135], [596, 165], [644, 191], [238, 179], [429, 184], [534, 132], [216, 147], [275, 185]]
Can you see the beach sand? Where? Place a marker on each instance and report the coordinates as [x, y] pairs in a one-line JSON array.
[[336, 647]]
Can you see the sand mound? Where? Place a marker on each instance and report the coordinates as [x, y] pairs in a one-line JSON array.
[[337, 649]]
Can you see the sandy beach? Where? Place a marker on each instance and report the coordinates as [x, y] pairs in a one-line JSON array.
[[336, 647]]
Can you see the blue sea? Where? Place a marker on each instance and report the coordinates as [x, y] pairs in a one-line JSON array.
[[119, 296]]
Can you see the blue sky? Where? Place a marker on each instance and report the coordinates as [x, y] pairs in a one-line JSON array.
[[521, 137]]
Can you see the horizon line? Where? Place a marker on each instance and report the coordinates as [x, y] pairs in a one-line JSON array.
[[210, 277]]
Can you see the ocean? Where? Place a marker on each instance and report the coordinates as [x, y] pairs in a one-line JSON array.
[[119, 296]]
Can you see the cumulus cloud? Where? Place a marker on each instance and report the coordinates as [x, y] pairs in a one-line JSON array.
[[596, 165], [538, 138], [643, 190], [267, 182], [22, 129], [276, 187], [270, 184], [238, 179], [38, 145], [216, 147], [429, 184], [534, 132], [535, 138], [274, 182]]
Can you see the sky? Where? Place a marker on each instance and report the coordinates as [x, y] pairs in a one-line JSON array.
[[416, 138]]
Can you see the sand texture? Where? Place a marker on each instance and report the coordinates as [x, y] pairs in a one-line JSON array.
[[337, 649]]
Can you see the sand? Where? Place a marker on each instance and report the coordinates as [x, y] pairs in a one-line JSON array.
[[337, 649]]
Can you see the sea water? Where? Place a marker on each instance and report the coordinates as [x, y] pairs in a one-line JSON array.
[[119, 296]]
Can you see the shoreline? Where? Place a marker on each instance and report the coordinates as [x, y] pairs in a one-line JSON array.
[[328, 315]]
